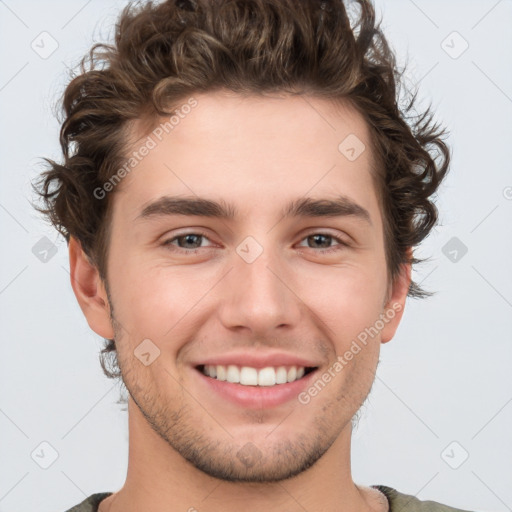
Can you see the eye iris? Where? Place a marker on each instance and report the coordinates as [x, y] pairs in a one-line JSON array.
[[187, 239], [325, 237]]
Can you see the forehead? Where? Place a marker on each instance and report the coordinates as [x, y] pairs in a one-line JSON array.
[[277, 147]]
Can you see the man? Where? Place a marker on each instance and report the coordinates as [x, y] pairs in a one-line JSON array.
[[265, 134]]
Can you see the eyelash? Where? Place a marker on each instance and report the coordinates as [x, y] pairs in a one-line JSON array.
[[341, 243]]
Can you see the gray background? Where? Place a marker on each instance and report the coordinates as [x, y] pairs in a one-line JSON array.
[[443, 390]]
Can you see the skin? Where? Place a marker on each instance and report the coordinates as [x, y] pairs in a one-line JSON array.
[[258, 153]]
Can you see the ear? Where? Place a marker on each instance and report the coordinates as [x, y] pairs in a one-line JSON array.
[[395, 304], [89, 290]]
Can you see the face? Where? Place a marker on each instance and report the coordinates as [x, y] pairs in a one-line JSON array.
[[284, 282]]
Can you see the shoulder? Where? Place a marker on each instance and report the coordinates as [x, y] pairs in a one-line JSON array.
[[91, 503], [407, 503]]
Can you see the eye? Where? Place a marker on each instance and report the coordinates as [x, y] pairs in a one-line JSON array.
[[324, 239], [190, 243], [187, 242]]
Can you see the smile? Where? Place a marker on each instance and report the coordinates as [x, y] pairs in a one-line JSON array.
[[249, 376]]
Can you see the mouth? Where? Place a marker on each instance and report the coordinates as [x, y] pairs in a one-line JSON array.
[[255, 380]]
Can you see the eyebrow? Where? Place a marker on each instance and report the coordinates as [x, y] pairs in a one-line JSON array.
[[340, 206]]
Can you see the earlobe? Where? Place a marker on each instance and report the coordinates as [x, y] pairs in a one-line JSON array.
[[89, 290], [394, 308]]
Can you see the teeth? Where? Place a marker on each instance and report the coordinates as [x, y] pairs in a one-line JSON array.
[[232, 375], [281, 375], [221, 372], [267, 376], [248, 376]]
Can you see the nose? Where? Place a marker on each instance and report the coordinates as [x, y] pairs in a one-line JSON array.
[[258, 296]]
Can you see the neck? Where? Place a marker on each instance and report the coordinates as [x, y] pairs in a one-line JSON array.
[[160, 479]]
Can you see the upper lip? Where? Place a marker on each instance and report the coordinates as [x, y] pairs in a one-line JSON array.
[[257, 360]]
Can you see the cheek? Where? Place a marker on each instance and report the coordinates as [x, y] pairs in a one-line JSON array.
[[346, 299], [151, 299]]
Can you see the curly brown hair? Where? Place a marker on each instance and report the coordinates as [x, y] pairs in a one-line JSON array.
[[163, 53]]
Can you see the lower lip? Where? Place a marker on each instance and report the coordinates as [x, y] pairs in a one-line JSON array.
[[257, 397]]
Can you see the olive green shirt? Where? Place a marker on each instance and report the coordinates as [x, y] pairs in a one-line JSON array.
[[398, 502]]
